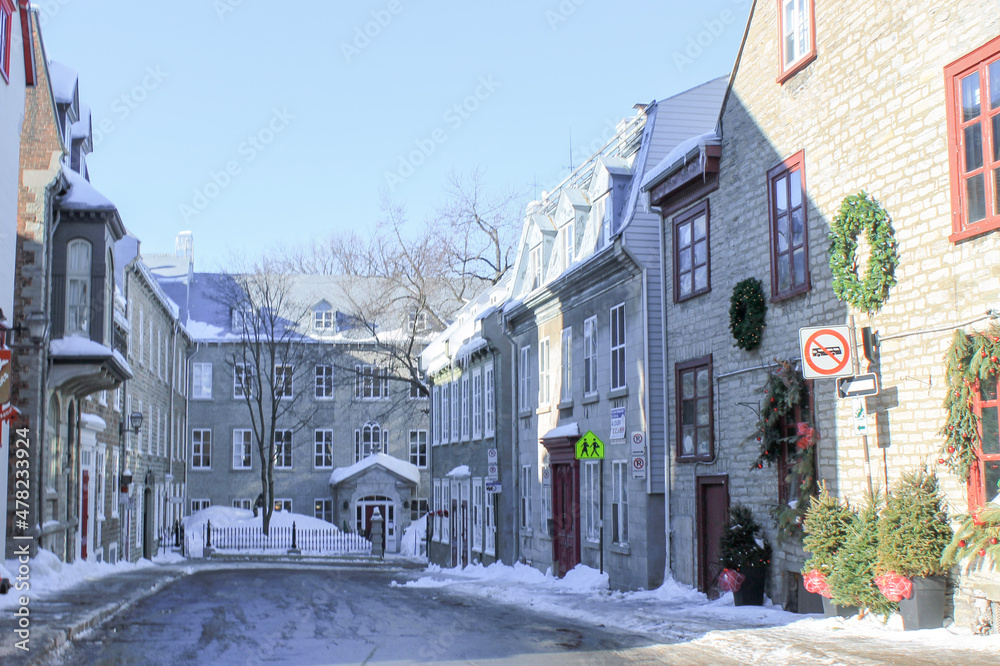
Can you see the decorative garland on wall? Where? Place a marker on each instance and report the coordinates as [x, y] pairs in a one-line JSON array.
[[860, 213], [784, 391], [747, 309]]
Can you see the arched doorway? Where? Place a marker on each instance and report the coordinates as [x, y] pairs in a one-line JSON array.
[[365, 507]]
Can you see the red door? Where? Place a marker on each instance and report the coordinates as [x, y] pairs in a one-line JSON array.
[[713, 510], [465, 533], [85, 512], [565, 516]]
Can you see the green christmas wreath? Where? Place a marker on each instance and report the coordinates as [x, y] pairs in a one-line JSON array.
[[860, 213], [747, 308]]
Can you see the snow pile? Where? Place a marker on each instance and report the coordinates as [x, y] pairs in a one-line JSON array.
[[47, 573], [225, 516], [414, 541], [461, 471], [581, 579]]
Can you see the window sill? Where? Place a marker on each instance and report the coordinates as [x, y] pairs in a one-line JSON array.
[[527, 532], [593, 545], [974, 230], [525, 414], [695, 459], [590, 398], [797, 67], [792, 293], [543, 409], [565, 404], [618, 393], [621, 549]]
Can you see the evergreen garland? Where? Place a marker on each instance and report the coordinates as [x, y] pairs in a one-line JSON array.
[[747, 309], [978, 535], [973, 358], [853, 578], [741, 547], [914, 530], [860, 213]]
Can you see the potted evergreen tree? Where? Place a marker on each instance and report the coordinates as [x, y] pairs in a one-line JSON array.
[[745, 554], [826, 527], [913, 535], [852, 580]]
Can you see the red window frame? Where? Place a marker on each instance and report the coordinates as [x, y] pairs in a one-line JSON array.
[[781, 176], [786, 72], [977, 475], [6, 24], [693, 367], [688, 218], [976, 62]]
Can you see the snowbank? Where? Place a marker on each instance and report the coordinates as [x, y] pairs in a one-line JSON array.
[[414, 539], [226, 516]]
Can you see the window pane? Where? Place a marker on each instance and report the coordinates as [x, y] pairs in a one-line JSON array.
[[995, 84], [973, 147], [975, 198], [996, 189], [991, 431], [687, 411], [795, 188], [684, 261], [703, 414], [701, 277], [684, 235], [988, 390], [703, 440], [700, 252], [687, 441], [970, 96], [703, 383], [687, 385], [781, 194], [783, 283], [799, 265], [996, 137], [700, 227], [782, 226], [685, 284], [798, 227], [991, 477]]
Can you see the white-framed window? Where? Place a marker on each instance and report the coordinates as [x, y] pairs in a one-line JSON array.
[[159, 353], [242, 380], [465, 408], [322, 320], [282, 504], [139, 336], [618, 346], [243, 503], [435, 525], [535, 267], [525, 497], [242, 449], [418, 508], [418, 448], [456, 410], [201, 381], [201, 449], [416, 321], [370, 382], [619, 501], [477, 515], [797, 47], [199, 504], [523, 379], [547, 525], [323, 452], [282, 449], [566, 353], [323, 509], [445, 414], [477, 403], [417, 392], [115, 459], [446, 517], [436, 415], [569, 243], [544, 376], [99, 483], [324, 382], [369, 439], [590, 356], [489, 411], [283, 375], [591, 495], [490, 515], [78, 271]]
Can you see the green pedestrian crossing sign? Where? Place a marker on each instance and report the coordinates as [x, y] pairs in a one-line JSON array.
[[589, 447]]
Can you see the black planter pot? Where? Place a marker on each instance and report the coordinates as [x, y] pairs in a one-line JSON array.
[[831, 609], [925, 609], [751, 592]]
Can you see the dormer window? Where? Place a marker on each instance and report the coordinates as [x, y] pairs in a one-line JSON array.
[[322, 320], [569, 244], [535, 267], [417, 320], [78, 267], [797, 36]]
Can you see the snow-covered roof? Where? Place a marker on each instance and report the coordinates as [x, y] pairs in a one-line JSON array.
[[461, 471], [82, 195], [77, 345], [93, 422], [398, 467], [165, 300], [679, 156], [470, 348], [567, 430], [82, 127], [63, 80]]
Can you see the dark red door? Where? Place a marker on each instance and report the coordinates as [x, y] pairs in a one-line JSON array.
[[465, 533], [713, 509], [565, 516], [85, 512]]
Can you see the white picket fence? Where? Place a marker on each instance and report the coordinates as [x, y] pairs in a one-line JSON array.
[[283, 538]]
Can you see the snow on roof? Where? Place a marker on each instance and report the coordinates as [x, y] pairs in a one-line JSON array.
[[470, 348], [201, 331], [122, 362], [82, 127], [399, 467], [567, 430], [63, 80], [460, 471], [82, 195], [679, 156], [165, 300], [93, 421], [77, 345]]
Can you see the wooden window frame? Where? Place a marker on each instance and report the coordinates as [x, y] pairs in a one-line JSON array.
[[6, 30], [246, 452], [786, 72], [976, 60], [202, 459], [418, 450], [796, 162], [323, 381], [977, 474], [786, 490], [285, 450], [688, 217], [679, 370], [320, 452]]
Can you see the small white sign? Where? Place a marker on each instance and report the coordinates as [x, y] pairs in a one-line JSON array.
[[493, 486], [638, 467], [617, 423], [492, 472], [491, 456], [860, 415], [638, 440]]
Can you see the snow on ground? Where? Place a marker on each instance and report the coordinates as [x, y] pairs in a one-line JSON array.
[[414, 541], [46, 573], [677, 613]]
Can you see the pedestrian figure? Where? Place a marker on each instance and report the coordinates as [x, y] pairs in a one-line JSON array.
[[585, 450], [258, 504]]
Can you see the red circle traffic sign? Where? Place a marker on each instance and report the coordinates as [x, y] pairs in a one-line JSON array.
[[638, 463], [839, 357]]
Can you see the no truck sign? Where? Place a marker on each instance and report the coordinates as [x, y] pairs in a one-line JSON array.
[[826, 352]]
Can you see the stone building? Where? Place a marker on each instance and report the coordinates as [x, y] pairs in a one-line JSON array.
[[825, 101]]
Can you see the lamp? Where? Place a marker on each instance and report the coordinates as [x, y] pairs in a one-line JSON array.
[[133, 423], [35, 324], [346, 505]]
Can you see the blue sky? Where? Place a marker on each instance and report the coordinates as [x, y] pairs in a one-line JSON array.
[[251, 123]]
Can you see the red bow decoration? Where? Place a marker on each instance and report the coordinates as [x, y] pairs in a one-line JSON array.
[[894, 587], [976, 520], [730, 580], [805, 434], [815, 582]]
